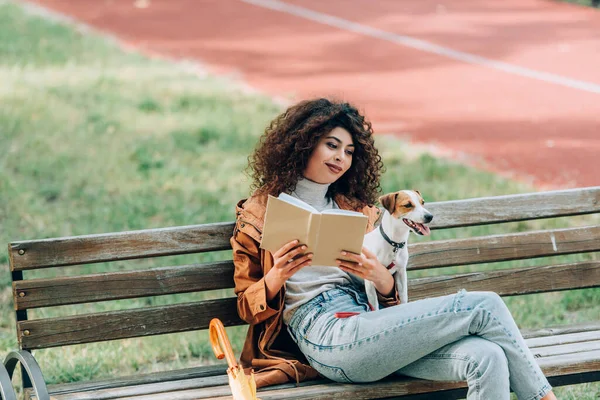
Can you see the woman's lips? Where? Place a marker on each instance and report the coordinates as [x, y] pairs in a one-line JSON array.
[[334, 168]]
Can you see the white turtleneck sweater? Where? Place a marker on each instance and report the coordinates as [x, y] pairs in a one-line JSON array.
[[313, 280]]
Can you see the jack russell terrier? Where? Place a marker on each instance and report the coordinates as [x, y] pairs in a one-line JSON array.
[[404, 212]]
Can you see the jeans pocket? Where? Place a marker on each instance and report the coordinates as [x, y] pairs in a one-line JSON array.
[[336, 374], [310, 320]]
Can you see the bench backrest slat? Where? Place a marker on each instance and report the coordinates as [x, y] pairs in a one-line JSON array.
[[511, 282], [35, 293], [108, 247], [123, 324], [554, 242], [184, 317], [512, 208]]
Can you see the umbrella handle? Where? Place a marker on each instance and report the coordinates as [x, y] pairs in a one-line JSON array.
[[217, 331]]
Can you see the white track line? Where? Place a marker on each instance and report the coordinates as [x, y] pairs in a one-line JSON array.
[[423, 45]]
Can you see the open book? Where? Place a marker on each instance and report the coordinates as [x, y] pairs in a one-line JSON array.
[[325, 233]]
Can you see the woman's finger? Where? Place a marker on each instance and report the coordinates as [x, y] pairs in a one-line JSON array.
[[350, 265], [368, 253], [301, 263], [355, 271], [292, 255], [285, 248], [356, 257], [297, 250]]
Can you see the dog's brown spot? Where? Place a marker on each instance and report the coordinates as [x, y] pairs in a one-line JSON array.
[[404, 205], [399, 203]]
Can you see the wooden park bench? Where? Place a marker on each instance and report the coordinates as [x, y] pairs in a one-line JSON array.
[[567, 354]]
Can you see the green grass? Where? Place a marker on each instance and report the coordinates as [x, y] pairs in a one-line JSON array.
[[94, 139], [581, 2]]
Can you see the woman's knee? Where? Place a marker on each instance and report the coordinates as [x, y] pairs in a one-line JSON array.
[[487, 300], [488, 307], [488, 360]]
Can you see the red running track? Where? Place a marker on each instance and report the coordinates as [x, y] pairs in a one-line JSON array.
[[511, 86]]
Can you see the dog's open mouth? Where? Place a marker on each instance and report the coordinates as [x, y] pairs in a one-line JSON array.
[[416, 227]]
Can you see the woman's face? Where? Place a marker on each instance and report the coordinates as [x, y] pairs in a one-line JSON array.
[[331, 158]]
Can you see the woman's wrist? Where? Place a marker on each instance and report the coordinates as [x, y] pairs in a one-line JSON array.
[[273, 283], [385, 286]]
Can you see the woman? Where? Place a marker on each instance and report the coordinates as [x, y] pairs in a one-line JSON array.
[[322, 152]]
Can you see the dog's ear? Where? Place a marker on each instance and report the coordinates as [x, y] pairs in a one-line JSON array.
[[388, 201], [417, 192]]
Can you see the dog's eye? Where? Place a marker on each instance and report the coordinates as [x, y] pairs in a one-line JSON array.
[[409, 205]]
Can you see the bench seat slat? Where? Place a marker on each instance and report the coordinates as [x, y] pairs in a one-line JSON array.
[[556, 350], [552, 242], [565, 364], [561, 329], [140, 379], [148, 321], [563, 339], [108, 247], [135, 391], [34, 293], [510, 282]]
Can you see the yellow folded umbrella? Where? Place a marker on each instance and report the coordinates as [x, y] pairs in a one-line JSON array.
[[243, 387]]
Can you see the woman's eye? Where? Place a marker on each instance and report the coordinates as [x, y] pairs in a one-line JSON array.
[[349, 152], [332, 145]]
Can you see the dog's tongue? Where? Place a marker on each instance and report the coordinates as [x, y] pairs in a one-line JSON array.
[[423, 229]]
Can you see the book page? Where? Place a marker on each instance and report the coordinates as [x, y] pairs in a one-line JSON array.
[[292, 200], [340, 211]]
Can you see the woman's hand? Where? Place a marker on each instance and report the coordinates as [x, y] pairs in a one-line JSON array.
[[367, 266], [288, 260]]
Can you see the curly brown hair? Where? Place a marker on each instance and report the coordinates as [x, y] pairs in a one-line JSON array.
[[284, 149]]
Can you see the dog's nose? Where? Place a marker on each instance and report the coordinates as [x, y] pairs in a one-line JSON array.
[[428, 218]]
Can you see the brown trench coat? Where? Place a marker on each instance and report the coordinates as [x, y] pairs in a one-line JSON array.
[[268, 348]]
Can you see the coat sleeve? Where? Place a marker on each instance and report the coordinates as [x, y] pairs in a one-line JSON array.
[[392, 300], [248, 276]]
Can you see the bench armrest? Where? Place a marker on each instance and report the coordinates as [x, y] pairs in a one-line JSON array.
[[6, 389], [33, 371]]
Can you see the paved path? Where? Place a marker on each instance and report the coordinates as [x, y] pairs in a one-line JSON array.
[[512, 86]]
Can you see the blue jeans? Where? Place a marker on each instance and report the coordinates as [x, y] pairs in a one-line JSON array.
[[468, 336]]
